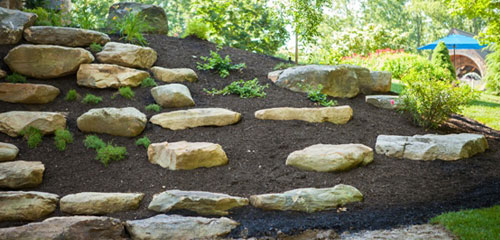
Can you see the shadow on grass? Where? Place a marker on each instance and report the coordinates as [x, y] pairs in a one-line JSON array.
[[482, 103]]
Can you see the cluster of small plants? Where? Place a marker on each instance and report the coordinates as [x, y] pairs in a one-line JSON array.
[[148, 82], [33, 135], [95, 47], [48, 17], [61, 138], [15, 78], [91, 99], [196, 28], [71, 95], [131, 28], [245, 89], [315, 95], [125, 92], [153, 108], [106, 152], [144, 141], [284, 65], [221, 65]]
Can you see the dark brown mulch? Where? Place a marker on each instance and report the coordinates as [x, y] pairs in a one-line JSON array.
[[396, 191]]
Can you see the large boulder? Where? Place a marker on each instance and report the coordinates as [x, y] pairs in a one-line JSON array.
[[154, 16], [14, 122], [28, 93], [336, 115], [126, 122], [11, 4], [21, 174], [46, 61], [65, 36], [172, 95], [329, 158], [96, 203], [186, 155], [109, 76], [178, 120], [74, 228], [431, 147], [26, 206], [8, 152], [127, 55], [380, 83], [205, 203], [383, 101], [179, 227], [174, 75], [308, 199], [12, 24]]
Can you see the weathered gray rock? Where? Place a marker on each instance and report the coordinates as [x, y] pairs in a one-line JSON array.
[[64, 36], [96, 203], [179, 227], [46, 61], [381, 83], [3, 74], [308, 199], [205, 203], [26, 206], [178, 120], [8, 152], [11, 4], [431, 147], [74, 228], [28, 93], [127, 55], [329, 158], [273, 76], [154, 16], [21, 174], [172, 95], [173, 75], [109, 76], [126, 122], [337, 115], [12, 24], [186, 155], [12, 123], [383, 101]]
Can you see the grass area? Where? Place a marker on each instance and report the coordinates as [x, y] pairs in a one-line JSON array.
[[474, 224], [396, 86]]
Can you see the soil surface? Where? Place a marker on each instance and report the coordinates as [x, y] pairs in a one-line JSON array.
[[396, 192]]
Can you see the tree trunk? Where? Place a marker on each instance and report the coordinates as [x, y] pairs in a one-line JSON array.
[[296, 47]]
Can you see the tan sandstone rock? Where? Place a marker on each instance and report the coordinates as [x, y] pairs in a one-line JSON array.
[[8, 152], [21, 174], [109, 76], [172, 95], [178, 120], [28, 93], [336, 115], [96, 203], [127, 55], [12, 123], [186, 155], [383, 101], [174, 75], [273, 76], [126, 122], [64, 36], [26, 206], [3, 74], [46, 61]]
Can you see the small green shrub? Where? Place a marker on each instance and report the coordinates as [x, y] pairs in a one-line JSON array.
[[15, 78], [196, 28], [148, 82], [245, 89], [219, 64], [110, 153], [91, 99], [441, 58], [131, 28], [71, 95], [95, 47], [61, 138], [33, 135], [314, 94], [284, 65], [46, 17], [125, 92], [153, 107], [144, 141], [94, 142]]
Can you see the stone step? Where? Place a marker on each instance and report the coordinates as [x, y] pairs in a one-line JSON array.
[[109, 76], [28, 93], [26, 206], [8, 152], [383, 101], [98, 203], [127, 55], [21, 174], [178, 120], [126, 122], [174, 75], [172, 95], [336, 115], [14, 122], [64, 36]]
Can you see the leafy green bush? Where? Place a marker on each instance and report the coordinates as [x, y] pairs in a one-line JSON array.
[[153, 107], [196, 28], [284, 65], [126, 92], [441, 58], [46, 17], [15, 78], [314, 94], [33, 135], [91, 99], [95, 47], [493, 74], [131, 28], [219, 64], [71, 95], [94, 142], [90, 14], [144, 141], [105, 152], [148, 82], [61, 138], [245, 89]]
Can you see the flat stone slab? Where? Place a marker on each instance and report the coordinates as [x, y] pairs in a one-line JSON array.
[[414, 232], [336, 115], [46, 61], [28, 93], [308, 199], [178, 120], [21, 174], [205, 203], [64, 36], [8, 152], [383, 101], [174, 75], [179, 227], [26, 206], [431, 147], [12, 24], [98, 203], [12, 123], [126, 122], [329, 158], [109, 76], [172, 95], [186, 155], [3, 74], [127, 55], [74, 228]]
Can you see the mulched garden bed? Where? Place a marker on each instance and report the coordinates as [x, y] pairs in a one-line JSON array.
[[396, 192]]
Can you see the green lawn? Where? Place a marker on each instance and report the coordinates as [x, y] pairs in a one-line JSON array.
[[474, 224]]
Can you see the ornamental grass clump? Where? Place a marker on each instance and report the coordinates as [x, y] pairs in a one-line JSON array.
[[153, 108], [131, 27], [126, 92], [105, 152], [144, 141], [148, 82], [61, 138], [91, 99], [315, 95], [221, 65], [245, 89], [72, 95], [15, 78], [33, 135], [95, 47]]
